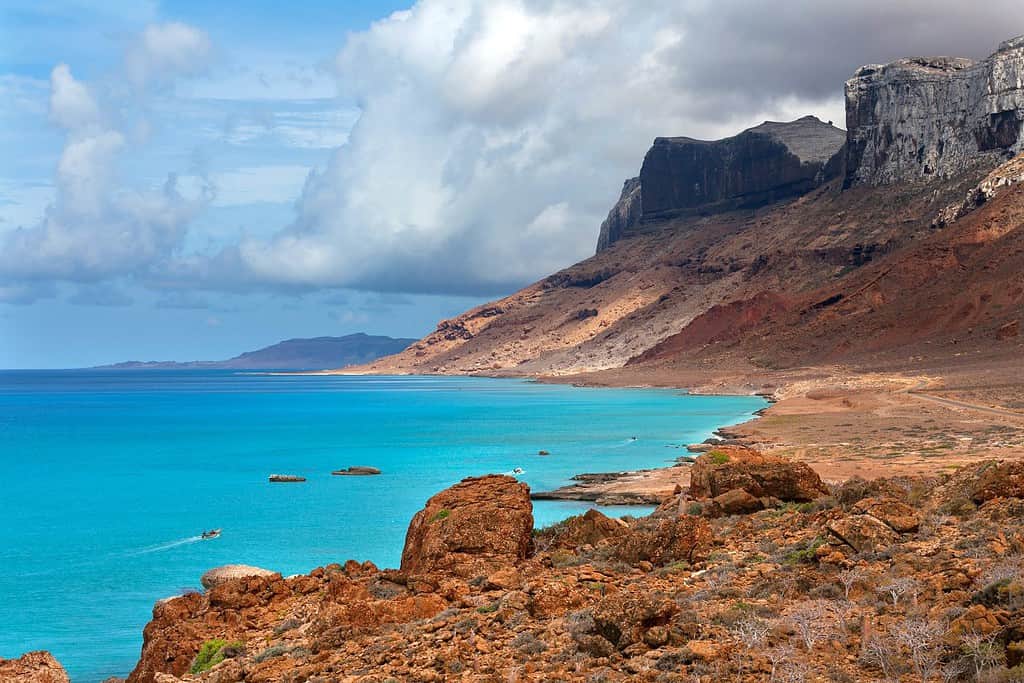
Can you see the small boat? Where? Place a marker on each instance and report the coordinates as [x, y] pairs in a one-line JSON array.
[[212, 533], [517, 471]]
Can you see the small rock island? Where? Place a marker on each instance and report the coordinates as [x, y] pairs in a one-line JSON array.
[[356, 471]]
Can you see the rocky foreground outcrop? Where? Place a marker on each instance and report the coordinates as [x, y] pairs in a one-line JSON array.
[[890, 579], [472, 528], [735, 468], [33, 667]]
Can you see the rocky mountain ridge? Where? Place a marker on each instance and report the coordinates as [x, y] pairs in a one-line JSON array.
[[740, 237]]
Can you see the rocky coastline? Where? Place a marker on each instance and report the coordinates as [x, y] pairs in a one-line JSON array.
[[758, 570]]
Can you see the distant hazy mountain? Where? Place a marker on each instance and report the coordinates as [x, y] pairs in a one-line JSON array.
[[319, 353]]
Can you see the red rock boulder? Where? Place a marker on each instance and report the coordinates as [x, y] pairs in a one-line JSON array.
[[735, 467], [473, 528], [590, 528], [1004, 479], [735, 502], [33, 667], [666, 541], [898, 516]]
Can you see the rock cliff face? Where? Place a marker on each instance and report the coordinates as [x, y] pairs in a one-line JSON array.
[[680, 279], [763, 164], [682, 176], [930, 117], [624, 215]]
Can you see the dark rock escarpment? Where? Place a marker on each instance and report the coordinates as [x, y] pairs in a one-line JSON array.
[[929, 117], [624, 215], [759, 166]]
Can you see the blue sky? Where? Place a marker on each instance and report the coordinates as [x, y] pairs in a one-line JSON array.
[[261, 115], [190, 180]]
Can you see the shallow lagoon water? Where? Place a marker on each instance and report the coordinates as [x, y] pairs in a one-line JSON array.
[[110, 476]]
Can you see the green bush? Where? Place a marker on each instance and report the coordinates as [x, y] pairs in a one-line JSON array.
[[210, 654], [805, 555], [441, 514], [718, 457]]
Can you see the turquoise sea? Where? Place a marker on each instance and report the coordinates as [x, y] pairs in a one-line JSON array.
[[108, 477]]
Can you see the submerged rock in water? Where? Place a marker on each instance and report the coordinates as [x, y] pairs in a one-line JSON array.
[[33, 667], [279, 478], [229, 572], [356, 471]]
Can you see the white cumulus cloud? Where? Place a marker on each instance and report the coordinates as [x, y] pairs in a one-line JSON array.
[[495, 134], [167, 51], [95, 228]]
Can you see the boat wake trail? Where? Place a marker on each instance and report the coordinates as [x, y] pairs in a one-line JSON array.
[[165, 546]]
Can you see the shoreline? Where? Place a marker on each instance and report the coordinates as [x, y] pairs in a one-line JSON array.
[[641, 486], [842, 421]]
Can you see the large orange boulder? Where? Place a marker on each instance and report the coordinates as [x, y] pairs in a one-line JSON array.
[[33, 667], [898, 516], [590, 528], [735, 467], [666, 541], [1004, 479], [473, 528], [863, 533]]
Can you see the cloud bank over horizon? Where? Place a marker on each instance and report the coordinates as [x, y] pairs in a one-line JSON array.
[[492, 138]]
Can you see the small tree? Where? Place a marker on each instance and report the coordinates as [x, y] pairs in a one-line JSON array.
[[778, 656], [850, 578], [813, 623], [923, 640], [883, 654], [898, 587], [752, 632], [981, 652]]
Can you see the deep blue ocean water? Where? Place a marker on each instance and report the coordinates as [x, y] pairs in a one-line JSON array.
[[107, 477]]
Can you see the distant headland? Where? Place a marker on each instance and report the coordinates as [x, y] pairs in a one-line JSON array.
[[316, 353]]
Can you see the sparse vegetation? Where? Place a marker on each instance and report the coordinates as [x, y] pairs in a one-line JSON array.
[[718, 457], [211, 653]]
